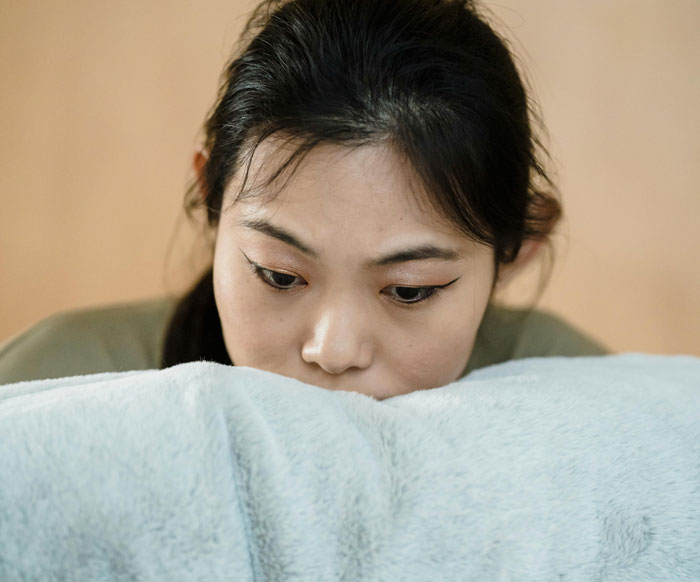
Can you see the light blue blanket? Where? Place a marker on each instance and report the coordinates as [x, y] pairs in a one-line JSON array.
[[559, 469]]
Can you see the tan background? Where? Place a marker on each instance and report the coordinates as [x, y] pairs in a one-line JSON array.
[[101, 104]]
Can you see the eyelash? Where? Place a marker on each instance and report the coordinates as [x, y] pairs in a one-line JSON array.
[[265, 275]]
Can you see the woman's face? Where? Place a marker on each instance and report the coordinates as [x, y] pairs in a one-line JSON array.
[[347, 279]]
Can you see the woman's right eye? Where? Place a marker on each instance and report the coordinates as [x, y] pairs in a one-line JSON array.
[[277, 280]]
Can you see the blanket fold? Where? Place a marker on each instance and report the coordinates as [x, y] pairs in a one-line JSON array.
[[561, 469]]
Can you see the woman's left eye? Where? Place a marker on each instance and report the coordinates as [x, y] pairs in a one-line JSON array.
[[409, 295]]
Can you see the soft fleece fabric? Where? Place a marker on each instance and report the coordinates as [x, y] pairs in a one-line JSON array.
[[581, 469]]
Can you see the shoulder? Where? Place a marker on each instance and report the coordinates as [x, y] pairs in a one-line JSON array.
[[509, 334], [88, 341], [545, 334]]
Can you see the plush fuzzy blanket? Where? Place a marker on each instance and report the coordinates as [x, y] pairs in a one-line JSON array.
[[583, 469]]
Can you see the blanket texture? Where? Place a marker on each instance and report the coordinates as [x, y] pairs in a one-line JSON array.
[[562, 469]]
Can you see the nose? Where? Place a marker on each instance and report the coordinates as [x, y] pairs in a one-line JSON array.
[[339, 340]]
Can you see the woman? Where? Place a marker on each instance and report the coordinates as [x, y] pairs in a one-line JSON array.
[[370, 177]]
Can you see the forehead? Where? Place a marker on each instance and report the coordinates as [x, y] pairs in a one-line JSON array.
[[337, 186]]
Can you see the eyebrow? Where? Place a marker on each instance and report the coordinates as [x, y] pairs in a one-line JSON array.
[[412, 254]]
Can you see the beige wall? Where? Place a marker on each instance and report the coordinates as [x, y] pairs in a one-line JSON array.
[[101, 104]]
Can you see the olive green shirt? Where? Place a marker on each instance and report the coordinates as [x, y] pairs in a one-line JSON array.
[[131, 337]]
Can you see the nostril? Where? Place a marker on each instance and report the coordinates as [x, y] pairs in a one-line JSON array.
[[336, 361]]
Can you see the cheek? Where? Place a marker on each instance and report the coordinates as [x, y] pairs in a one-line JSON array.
[[437, 353], [257, 332]]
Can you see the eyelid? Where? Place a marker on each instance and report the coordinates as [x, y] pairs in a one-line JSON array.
[[258, 265], [260, 271], [433, 291]]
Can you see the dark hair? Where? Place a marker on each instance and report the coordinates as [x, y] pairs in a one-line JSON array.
[[429, 78]]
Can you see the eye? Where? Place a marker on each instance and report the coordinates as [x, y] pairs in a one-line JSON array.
[[409, 295], [275, 279], [281, 281]]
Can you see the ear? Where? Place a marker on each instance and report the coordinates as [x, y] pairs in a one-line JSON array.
[[528, 251], [199, 163]]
